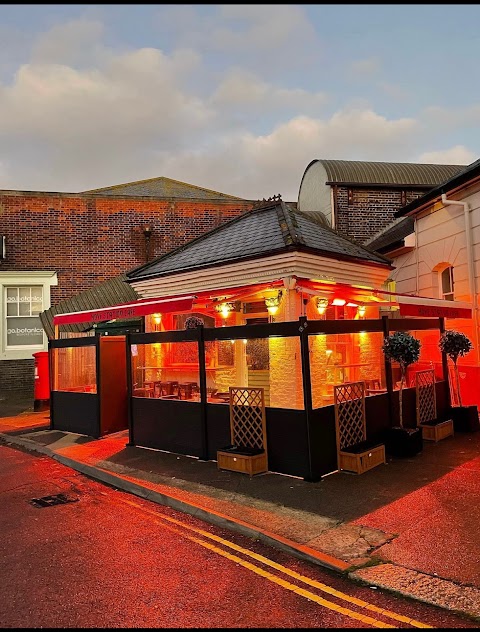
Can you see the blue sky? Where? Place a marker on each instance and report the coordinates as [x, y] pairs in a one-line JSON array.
[[238, 98]]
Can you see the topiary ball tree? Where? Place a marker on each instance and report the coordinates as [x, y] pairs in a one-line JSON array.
[[455, 344], [403, 348]]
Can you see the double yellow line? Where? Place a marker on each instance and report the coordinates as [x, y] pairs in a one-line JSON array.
[[162, 520]]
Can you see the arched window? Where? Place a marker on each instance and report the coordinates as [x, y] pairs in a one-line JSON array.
[[446, 283]]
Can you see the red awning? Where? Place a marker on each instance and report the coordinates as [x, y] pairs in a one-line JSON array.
[[127, 310]]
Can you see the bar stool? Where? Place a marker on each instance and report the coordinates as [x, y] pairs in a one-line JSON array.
[[185, 390]]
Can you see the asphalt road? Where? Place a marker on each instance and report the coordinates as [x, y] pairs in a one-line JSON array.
[[105, 559]]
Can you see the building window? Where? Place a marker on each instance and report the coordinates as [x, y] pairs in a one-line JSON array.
[[447, 283], [23, 305]]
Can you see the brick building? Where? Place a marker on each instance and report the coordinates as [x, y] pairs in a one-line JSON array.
[[57, 245], [360, 198]]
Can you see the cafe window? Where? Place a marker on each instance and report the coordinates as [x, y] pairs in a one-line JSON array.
[[23, 305]]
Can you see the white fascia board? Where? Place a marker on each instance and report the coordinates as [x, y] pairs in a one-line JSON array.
[[261, 271]]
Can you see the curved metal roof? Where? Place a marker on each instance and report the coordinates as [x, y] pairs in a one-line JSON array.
[[391, 173]]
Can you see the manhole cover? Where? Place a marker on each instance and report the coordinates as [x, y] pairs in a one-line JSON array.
[[50, 501]]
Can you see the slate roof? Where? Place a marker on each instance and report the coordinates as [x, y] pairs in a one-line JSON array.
[[461, 178], [387, 173], [163, 188], [391, 235], [112, 292], [261, 232]]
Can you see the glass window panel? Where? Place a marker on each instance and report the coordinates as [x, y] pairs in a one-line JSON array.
[[24, 331], [166, 370], [12, 301], [430, 355], [273, 364], [24, 294], [339, 358], [76, 370]]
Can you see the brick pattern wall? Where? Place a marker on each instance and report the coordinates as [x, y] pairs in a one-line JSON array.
[[369, 210], [16, 375], [88, 239]]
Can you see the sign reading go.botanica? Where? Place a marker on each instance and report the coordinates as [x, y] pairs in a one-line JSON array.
[[24, 332]]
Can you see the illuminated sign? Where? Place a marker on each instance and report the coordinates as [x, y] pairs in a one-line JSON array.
[[434, 311]]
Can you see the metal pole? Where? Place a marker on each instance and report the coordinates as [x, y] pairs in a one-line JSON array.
[[128, 351], [307, 390], [388, 370], [203, 393], [448, 399]]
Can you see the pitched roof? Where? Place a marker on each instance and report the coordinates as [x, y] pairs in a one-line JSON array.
[[392, 234], [163, 187], [112, 292], [465, 175], [274, 228], [388, 173]]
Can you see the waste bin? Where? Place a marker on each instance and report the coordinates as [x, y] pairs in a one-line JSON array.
[[41, 397]]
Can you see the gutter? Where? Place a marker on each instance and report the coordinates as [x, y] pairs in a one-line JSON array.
[[470, 262]]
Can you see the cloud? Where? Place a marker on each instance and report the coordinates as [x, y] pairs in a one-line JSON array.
[[241, 88], [257, 166], [79, 115], [458, 155], [365, 67]]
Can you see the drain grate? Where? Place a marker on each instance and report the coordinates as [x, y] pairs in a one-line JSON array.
[[50, 501]]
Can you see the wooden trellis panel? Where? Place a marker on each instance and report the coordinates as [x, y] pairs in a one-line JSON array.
[[353, 452], [248, 426], [426, 401], [432, 429], [248, 431], [350, 413]]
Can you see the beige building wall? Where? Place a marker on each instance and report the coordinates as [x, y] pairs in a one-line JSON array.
[[441, 241]]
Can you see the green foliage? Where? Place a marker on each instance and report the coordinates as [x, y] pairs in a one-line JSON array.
[[192, 322], [402, 347], [454, 344]]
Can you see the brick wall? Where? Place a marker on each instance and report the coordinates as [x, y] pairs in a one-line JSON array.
[[362, 212], [88, 239], [16, 375]]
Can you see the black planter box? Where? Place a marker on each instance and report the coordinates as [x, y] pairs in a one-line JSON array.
[[403, 441], [465, 418]]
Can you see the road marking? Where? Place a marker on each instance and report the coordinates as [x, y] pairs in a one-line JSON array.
[[294, 575]]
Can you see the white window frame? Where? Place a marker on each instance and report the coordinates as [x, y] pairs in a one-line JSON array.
[[443, 294], [44, 279]]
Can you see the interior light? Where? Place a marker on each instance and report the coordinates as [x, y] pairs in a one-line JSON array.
[[322, 304], [272, 303], [338, 302], [352, 305], [224, 309], [157, 318], [361, 311]]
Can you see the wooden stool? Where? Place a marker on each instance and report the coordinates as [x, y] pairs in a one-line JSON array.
[[185, 390]]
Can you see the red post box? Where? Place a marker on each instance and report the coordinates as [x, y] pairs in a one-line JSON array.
[[41, 398]]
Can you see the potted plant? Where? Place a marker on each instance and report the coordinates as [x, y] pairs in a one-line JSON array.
[[456, 344], [403, 348]]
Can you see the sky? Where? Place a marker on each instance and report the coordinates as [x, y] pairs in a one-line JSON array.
[[235, 98]]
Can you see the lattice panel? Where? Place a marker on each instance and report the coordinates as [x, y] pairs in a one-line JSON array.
[[247, 417], [350, 413], [425, 388], [452, 383]]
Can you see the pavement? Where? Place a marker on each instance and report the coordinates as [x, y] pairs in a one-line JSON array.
[[410, 526]]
